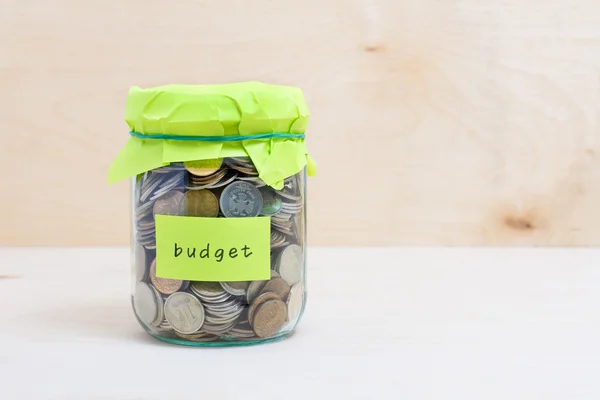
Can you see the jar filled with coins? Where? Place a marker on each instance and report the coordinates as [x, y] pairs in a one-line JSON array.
[[218, 178]]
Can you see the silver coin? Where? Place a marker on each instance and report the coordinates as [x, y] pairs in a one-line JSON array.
[[289, 264], [148, 191], [225, 181], [226, 312], [184, 312], [254, 290], [160, 315], [143, 209], [211, 299], [223, 321], [140, 262], [144, 302], [231, 303], [165, 324], [235, 288], [164, 190], [290, 208], [240, 199], [289, 195], [254, 179], [208, 289], [271, 203], [294, 302], [281, 217]]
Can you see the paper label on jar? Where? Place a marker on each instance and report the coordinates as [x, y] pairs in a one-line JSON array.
[[213, 249]]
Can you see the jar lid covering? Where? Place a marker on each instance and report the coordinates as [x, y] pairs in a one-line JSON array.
[[160, 117]]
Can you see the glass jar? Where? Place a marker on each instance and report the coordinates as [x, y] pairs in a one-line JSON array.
[[218, 190], [223, 312]]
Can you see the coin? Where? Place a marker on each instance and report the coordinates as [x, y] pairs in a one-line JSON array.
[[184, 312], [168, 204], [164, 285], [200, 203], [289, 264], [255, 180], [140, 261], [265, 296], [207, 289], [217, 329], [240, 199], [278, 239], [203, 167], [253, 290], [198, 337], [269, 318], [145, 303], [224, 182], [160, 315], [169, 182], [279, 286], [271, 203], [235, 288], [149, 185], [221, 308], [208, 179], [294, 302], [242, 164]]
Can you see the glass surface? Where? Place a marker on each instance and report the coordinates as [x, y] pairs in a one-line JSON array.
[[219, 313]]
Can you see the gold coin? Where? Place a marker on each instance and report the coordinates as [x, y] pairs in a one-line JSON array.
[[279, 286], [200, 203], [163, 285], [269, 318], [260, 300], [208, 179], [203, 167]]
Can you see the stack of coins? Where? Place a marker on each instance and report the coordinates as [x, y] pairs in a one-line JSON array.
[[150, 186], [219, 311]]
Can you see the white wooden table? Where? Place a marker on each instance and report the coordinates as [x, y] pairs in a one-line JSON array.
[[380, 323]]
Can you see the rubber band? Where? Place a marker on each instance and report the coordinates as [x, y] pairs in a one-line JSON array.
[[218, 138]]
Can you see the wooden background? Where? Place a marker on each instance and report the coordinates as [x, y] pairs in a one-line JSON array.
[[434, 122]]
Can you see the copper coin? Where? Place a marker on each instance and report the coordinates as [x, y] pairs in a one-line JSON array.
[[203, 167], [168, 204], [163, 285], [279, 286], [258, 302], [200, 203], [269, 318]]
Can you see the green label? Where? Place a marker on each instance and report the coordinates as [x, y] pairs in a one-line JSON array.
[[213, 249]]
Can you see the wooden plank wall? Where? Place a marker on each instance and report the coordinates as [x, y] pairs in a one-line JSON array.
[[455, 122]]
